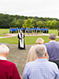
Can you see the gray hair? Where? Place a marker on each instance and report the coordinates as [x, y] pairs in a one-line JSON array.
[[52, 36], [3, 49], [40, 50]]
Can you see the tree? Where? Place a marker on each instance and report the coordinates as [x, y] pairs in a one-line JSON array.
[[12, 23], [57, 25], [39, 24], [28, 23], [53, 24], [19, 23], [34, 23], [48, 24]]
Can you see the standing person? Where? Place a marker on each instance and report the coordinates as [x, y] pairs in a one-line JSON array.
[[31, 54], [53, 49], [8, 70], [21, 44], [41, 68]]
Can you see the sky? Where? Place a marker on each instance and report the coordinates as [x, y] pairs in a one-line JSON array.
[[39, 8]]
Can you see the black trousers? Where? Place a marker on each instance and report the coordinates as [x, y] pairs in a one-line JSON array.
[[55, 61]]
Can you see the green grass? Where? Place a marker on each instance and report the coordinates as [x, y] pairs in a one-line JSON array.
[[32, 39], [3, 31], [53, 31], [28, 39], [13, 40]]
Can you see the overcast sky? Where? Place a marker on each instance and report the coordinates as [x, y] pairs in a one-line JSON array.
[[40, 8]]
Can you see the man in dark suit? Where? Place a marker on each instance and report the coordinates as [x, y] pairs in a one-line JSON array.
[[53, 49]]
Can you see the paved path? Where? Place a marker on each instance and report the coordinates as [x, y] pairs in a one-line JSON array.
[[18, 56], [29, 34]]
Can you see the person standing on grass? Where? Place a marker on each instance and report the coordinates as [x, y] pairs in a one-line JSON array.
[[53, 49], [8, 70], [21, 44]]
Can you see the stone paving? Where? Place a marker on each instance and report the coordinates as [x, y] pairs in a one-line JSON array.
[[26, 34], [18, 56]]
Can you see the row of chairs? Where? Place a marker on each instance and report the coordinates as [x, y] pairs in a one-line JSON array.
[[29, 30]]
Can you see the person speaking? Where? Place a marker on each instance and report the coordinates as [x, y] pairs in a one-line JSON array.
[[21, 44]]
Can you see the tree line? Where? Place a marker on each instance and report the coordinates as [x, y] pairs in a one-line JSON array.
[[14, 21]]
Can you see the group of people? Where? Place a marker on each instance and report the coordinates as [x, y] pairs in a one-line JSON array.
[[42, 61]]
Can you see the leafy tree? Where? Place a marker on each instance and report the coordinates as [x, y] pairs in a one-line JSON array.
[[12, 23], [53, 24], [34, 23], [57, 25], [48, 24], [7, 21], [39, 24], [28, 23], [19, 23]]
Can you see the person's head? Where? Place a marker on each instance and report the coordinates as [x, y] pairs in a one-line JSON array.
[[40, 50], [52, 36], [39, 41], [20, 31], [4, 50]]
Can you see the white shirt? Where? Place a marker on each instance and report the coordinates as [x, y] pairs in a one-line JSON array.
[[52, 41], [3, 58]]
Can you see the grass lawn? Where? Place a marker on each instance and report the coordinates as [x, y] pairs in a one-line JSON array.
[[28, 39], [53, 31], [3, 31]]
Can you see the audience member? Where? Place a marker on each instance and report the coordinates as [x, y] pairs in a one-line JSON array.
[[31, 54], [53, 49], [8, 69], [41, 68]]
